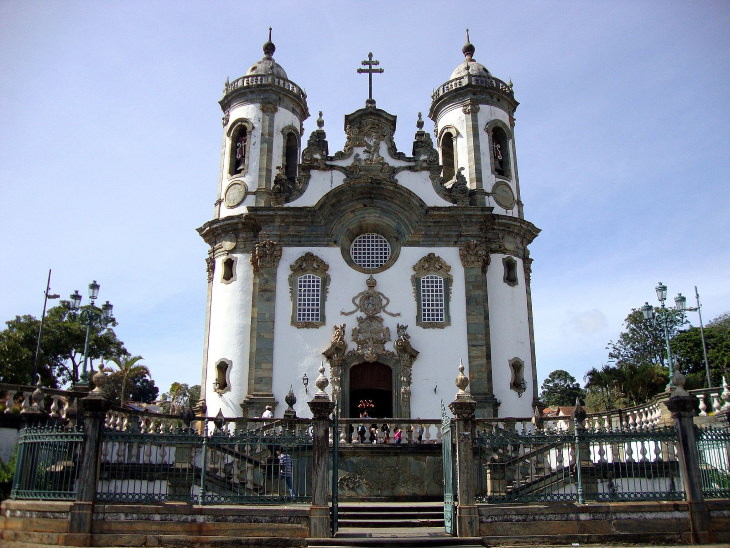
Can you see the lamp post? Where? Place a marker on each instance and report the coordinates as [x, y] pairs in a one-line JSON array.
[[662, 318], [681, 304], [48, 295], [90, 316]]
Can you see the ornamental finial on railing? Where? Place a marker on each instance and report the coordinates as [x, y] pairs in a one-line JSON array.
[[322, 382], [725, 395], [462, 382]]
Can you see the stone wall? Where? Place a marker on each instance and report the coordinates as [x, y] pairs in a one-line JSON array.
[[625, 522], [153, 525]]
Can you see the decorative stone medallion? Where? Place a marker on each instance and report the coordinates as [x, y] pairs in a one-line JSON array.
[[235, 193], [503, 195]]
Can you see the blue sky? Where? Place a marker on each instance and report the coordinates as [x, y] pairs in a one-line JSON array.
[[110, 138]]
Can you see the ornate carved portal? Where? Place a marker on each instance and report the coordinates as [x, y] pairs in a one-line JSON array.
[[370, 337]]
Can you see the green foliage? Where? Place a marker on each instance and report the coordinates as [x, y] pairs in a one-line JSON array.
[[119, 382], [180, 398], [7, 470], [61, 350], [687, 347], [560, 388]]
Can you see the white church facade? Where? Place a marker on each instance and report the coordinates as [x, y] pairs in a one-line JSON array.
[[390, 268]]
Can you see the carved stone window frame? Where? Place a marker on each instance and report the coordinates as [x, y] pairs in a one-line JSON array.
[[433, 265], [510, 276], [369, 228], [308, 264], [517, 371], [232, 133], [222, 376], [224, 271], [505, 146]]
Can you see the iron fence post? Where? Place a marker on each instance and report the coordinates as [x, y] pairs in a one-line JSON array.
[[203, 463]]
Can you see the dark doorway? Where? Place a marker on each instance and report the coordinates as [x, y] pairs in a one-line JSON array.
[[371, 382]]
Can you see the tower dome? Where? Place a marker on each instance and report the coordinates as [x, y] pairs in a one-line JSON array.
[[267, 65], [469, 66]]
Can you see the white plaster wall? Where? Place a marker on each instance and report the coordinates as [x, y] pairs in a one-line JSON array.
[[299, 351], [510, 337], [229, 335]]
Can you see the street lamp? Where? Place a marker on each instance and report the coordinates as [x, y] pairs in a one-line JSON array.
[[681, 304], [90, 316], [663, 318]]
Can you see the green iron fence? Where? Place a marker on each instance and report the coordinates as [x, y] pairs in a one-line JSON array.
[[158, 460], [713, 446], [236, 463], [48, 463], [532, 465]]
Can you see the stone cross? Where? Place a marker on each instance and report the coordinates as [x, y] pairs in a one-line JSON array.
[[370, 71]]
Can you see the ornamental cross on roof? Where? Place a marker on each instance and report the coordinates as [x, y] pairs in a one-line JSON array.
[[370, 71]]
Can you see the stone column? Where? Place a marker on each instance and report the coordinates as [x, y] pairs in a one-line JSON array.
[[682, 406], [321, 407], [463, 407], [94, 408]]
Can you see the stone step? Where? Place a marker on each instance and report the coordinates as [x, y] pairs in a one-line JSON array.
[[389, 523], [396, 539]]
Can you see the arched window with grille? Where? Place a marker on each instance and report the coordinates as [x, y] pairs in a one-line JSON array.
[[308, 285], [432, 289]]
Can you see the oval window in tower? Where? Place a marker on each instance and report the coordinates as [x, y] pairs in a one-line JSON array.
[[370, 251]]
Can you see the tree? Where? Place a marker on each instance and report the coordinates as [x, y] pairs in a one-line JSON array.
[[127, 370], [61, 349], [687, 347], [604, 389], [560, 388], [180, 398]]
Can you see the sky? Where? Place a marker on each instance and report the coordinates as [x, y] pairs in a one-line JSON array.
[[110, 139]]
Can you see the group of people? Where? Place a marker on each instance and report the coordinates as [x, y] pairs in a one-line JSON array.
[[369, 434]]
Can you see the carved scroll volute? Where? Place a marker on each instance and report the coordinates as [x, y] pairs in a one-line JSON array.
[[474, 254]]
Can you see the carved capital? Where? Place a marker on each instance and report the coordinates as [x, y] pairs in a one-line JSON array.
[[469, 108], [266, 254], [474, 255], [269, 108], [226, 118]]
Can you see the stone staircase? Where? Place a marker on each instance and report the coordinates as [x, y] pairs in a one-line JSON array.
[[392, 524]]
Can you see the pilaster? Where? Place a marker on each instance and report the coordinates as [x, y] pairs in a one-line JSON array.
[[265, 261], [266, 154], [475, 260], [473, 146]]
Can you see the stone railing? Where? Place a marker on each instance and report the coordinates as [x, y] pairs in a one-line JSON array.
[[264, 80], [488, 82], [415, 431], [36, 400]]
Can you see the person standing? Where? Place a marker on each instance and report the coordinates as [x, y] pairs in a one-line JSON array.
[[268, 413], [398, 436], [286, 470]]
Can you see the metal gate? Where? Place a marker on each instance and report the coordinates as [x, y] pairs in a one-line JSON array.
[[447, 457]]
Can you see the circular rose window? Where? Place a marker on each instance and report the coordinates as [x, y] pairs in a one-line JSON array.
[[370, 251]]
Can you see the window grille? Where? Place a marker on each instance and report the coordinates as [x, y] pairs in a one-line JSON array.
[[370, 251], [309, 288], [432, 299]]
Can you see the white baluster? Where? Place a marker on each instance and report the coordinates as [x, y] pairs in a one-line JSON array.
[[703, 406], [716, 405]]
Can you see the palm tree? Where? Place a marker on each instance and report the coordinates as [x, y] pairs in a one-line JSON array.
[[127, 369]]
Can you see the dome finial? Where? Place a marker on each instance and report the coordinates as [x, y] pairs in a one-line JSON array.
[[269, 47], [468, 49]]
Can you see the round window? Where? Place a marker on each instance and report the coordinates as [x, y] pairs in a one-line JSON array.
[[370, 251]]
